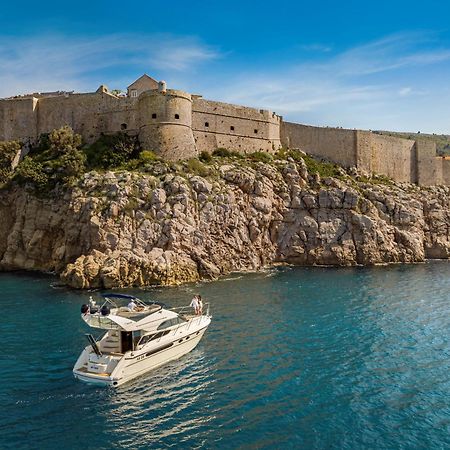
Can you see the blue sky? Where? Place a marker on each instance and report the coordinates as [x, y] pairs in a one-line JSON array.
[[355, 64]]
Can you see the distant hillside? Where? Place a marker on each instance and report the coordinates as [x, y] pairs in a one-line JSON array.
[[442, 140]]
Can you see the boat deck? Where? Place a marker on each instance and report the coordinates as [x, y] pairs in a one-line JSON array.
[[84, 370]]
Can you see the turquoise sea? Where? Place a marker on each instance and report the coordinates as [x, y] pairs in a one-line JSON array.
[[312, 358]]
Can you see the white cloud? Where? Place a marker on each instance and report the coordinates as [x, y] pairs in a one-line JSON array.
[[405, 91], [385, 84], [397, 82], [43, 63]]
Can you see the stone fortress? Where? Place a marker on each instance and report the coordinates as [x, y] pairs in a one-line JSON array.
[[178, 125]]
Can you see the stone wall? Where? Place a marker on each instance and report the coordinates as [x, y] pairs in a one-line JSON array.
[[403, 160], [18, 119], [445, 165], [222, 125], [166, 124], [429, 168], [88, 114], [393, 157], [177, 125], [335, 144]]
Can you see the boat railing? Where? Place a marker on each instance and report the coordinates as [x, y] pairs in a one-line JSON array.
[[186, 309]]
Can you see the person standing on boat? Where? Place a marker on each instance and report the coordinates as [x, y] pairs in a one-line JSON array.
[[200, 305], [195, 304]]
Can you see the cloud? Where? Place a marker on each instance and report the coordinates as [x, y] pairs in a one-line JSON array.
[[31, 64], [316, 48], [396, 82], [405, 91]]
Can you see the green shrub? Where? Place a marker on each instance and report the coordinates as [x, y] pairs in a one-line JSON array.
[[8, 151], [261, 156], [324, 169], [30, 171], [205, 157], [222, 152], [147, 156], [282, 153], [63, 140], [111, 151], [71, 165], [197, 167]]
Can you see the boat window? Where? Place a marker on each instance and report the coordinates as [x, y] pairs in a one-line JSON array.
[[152, 337], [144, 339], [171, 322]]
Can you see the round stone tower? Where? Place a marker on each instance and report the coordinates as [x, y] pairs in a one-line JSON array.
[[165, 119]]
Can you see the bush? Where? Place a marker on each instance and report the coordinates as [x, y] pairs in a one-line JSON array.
[[324, 169], [71, 165], [197, 167], [205, 157], [30, 171], [147, 156], [261, 156], [63, 140], [111, 151], [8, 151], [222, 152]]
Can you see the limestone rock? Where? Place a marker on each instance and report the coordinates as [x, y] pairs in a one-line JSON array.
[[126, 229]]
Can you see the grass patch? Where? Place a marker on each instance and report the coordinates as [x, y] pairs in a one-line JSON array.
[[324, 169], [195, 166]]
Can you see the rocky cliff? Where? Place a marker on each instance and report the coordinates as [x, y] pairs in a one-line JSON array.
[[123, 229]]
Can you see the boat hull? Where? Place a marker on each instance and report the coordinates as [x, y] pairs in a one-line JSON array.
[[132, 366]]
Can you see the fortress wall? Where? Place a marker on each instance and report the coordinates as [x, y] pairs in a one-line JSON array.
[[87, 114], [253, 130], [393, 157], [429, 168], [18, 119], [165, 121], [445, 169], [334, 144]]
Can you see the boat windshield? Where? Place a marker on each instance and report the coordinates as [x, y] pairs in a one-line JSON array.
[[171, 322], [99, 321]]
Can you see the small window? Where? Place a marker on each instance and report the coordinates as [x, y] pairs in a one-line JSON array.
[[134, 93], [231, 128], [206, 124], [177, 116], [154, 116], [256, 131], [123, 126]]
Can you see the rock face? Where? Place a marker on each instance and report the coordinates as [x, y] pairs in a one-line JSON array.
[[128, 229]]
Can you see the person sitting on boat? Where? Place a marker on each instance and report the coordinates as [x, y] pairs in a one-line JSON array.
[[195, 304], [133, 307]]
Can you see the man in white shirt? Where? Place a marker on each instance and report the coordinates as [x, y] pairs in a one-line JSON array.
[[132, 306]]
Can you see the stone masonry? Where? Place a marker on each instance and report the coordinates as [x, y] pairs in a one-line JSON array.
[[178, 125]]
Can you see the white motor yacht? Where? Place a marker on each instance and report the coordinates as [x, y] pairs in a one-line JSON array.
[[137, 339]]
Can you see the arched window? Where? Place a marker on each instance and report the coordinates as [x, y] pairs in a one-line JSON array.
[[177, 116]]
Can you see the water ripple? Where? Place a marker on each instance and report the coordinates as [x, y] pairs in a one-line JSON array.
[[294, 358]]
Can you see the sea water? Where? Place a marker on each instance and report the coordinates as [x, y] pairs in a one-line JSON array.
[[294, 358]]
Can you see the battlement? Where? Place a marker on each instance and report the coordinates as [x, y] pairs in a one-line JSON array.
[[179, 125]]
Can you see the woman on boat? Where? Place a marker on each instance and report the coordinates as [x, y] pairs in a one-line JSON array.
[[195, 303]]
